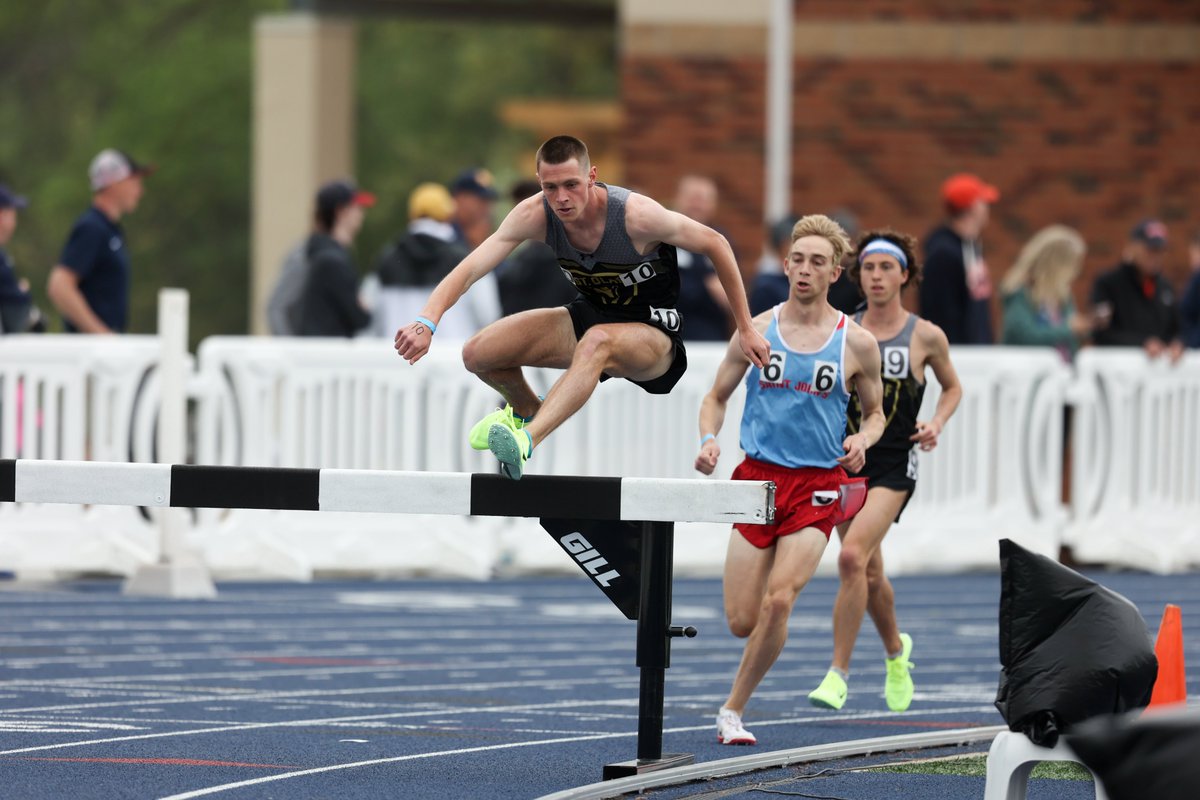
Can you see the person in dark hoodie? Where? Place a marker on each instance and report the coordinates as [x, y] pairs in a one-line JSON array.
[[329, 304], [957, 289], [1134, 303], [408, 269]]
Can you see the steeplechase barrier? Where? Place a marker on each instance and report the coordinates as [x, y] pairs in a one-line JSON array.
[[568, 501]]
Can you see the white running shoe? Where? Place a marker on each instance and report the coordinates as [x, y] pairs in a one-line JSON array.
[[730, 730]]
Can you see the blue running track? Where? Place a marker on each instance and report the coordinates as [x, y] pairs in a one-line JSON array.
[[506, 690]]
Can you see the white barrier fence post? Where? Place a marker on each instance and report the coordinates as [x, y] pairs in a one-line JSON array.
[[179, 572]]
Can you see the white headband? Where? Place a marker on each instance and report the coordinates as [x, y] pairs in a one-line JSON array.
[[884, 246]]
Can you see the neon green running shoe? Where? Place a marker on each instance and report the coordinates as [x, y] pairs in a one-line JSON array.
[[898, 688], [478, 437], [831, 693], [512, 447]]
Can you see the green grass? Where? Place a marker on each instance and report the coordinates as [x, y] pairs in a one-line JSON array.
[[976, 767]]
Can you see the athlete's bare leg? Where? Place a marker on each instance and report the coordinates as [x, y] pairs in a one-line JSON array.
[[623, 350], [745, 583], [795, 560], [542, 337], [859, 542], [881, 604]]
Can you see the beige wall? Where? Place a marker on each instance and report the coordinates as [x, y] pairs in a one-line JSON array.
[[303, 134]]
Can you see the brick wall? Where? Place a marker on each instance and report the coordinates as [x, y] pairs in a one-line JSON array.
[[1096, 145], [1002, 10]]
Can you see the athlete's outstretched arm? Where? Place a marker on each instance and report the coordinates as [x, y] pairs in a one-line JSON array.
[[937, 348], [864, 373], [527, 220], [712, 407], [647, 221]]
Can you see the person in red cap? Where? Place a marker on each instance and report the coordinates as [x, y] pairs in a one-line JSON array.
[[1134, 304], [90, 284], [956, 292], [329, 304]]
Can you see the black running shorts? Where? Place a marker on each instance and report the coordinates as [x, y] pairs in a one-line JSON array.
[[584, 315], [892, 469]]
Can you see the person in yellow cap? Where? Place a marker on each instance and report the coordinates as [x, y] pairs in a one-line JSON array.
[[409, 267]]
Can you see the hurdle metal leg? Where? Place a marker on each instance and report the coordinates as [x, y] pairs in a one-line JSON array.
[[654, 634]]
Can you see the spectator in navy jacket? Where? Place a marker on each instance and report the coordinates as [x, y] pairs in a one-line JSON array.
[[1189, 307], [90, 284], [18, 314]]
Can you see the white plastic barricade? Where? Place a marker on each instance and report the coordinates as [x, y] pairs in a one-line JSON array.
[[76, 397], [355, 404], [1136, 461], [997, 470], [334, 403]]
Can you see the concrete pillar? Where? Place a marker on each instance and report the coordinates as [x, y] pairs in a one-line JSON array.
[[304, 88]]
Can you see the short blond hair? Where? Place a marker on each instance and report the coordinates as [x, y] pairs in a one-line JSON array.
[[827, 229]]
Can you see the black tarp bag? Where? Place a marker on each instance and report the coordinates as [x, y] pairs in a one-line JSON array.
[[1070, 649]]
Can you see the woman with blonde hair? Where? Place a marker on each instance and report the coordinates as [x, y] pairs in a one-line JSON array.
[[1038, 306]]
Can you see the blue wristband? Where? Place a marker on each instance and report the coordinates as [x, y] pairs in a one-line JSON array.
[[705, 438], [423, 321]]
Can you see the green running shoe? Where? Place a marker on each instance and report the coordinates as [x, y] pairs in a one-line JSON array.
[[512, 447], [898, 688], [478, 437], [831, 693]]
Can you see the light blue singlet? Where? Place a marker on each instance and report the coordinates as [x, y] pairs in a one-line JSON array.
[[795, 414]]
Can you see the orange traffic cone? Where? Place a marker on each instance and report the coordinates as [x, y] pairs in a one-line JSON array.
[[1171, 685]]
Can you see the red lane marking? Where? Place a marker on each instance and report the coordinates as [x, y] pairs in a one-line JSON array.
[[175, 762]]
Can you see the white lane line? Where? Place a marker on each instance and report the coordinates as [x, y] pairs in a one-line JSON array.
[[316, 696], [304, 670], [373, 762], [490, 748], [321, 721]]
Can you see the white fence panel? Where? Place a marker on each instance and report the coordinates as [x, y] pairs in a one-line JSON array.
[[75, 397], [356, 404], [337, 403], [1136, 465], [997, 470]]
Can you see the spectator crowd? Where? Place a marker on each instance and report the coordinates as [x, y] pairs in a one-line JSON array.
[[320, 290]]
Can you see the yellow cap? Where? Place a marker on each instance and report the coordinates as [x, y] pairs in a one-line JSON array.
[[430, 200]]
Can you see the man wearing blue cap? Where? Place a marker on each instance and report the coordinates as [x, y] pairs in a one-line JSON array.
[[17, 312], [475, 195], [90, 284]]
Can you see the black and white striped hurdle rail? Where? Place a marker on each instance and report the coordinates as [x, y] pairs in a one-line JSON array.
[[654, 503], [187, 486]]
